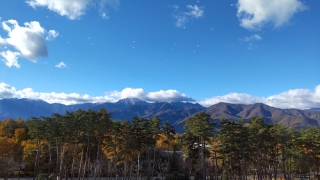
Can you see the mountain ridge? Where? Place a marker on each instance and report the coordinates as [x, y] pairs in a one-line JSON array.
[[174, 113]]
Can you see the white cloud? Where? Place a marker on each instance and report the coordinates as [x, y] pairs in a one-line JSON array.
[[28, 41], [236, 98], [63, 98], [7, 91], [193, 12], [254, 14], [73, 9], [10, 58], [295, 98], [170, 95], [2, 41], [52, 34], [161, 96], [127, 93], [254, 37], [61, 65]]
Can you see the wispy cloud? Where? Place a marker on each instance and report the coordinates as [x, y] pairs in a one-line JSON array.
[[26, 41], [52, 34], [107, 3], [250, 40], [73, 9], [182, 17], [61, 65], [254, 14], [254, 37], [195, 11], [104, 16]]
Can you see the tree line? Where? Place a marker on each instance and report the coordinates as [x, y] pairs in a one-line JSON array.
[[88, 143]]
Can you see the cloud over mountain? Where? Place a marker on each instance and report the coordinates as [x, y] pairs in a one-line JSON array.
[[7, 91], [254, 14], [235, 98], [294, 98], [170, 95]]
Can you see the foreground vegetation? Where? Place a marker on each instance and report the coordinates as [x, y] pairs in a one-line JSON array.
[[89, 143]]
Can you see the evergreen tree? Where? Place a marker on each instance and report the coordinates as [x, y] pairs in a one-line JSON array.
[[201, 128]]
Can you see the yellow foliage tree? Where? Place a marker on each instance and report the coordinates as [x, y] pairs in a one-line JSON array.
[[8, 155], [20, 135], [29, 151]]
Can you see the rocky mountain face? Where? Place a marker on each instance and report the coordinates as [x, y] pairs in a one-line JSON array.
[[175, 113]]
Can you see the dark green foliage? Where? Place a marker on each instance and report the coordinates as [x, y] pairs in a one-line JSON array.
[[83, 143], [199, 132], [177, 176]]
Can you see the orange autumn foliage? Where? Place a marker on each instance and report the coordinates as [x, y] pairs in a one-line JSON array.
[[165, 143]]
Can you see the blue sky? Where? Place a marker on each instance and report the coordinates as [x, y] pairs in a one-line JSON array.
[[237, 51]]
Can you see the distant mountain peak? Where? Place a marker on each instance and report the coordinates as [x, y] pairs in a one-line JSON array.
[[131, 101]]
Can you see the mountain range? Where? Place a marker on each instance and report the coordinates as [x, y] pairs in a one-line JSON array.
[[175, 113]]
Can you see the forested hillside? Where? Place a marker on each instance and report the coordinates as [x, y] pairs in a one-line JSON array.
[[89, 143]]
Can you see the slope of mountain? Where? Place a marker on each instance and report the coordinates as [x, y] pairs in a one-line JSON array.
[[123, 109], [127, 102], [26, 108], [294, 118], [174, 113]]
